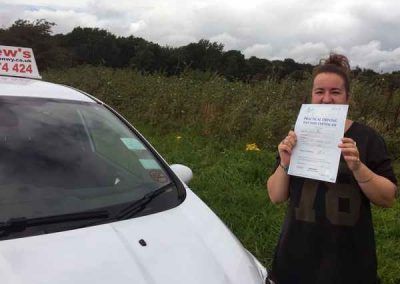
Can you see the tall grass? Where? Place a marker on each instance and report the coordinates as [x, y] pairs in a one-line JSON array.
[[262, 112]]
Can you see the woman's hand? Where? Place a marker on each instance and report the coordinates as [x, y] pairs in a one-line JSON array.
[[285, 148], [350, 153]]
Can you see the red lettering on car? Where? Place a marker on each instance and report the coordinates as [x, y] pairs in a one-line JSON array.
[[8, 52]]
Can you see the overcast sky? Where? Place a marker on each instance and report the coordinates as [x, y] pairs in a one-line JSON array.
[[305, 30]]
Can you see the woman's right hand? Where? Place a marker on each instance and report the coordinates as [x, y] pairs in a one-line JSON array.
[[285, 148]]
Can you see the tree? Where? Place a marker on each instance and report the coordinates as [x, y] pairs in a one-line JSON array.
[[203, 55], [233, 65], [37, 35], [257, 69], [93, 46]]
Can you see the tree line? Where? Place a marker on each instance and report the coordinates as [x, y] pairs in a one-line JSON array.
[[99, 47]]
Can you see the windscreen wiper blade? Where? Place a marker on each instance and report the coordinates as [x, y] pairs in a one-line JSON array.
[[15, 225], [138, 205]]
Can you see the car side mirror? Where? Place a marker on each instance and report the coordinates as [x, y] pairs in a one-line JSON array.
[[183, 172]]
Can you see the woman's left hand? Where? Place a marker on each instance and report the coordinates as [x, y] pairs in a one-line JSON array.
[[350, 153]]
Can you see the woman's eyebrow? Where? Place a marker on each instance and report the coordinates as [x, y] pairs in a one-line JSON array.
[[323, 88]]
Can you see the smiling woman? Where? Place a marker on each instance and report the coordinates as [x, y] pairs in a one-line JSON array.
[[328, 235]]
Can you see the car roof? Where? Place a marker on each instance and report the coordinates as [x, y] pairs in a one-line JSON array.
[[32, 88]]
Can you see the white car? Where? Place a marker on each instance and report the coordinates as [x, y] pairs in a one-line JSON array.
[[84, 198]]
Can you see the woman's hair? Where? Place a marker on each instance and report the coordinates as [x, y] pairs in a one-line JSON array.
[[337, 64]]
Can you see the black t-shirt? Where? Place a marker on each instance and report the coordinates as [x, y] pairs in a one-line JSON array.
[[327, 236]]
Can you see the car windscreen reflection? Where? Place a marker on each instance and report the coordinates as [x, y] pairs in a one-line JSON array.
[[61, 157]]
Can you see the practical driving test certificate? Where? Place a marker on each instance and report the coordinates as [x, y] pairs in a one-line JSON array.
[[319, 129]]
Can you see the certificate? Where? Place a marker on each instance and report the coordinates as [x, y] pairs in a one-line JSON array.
[[319, 129]]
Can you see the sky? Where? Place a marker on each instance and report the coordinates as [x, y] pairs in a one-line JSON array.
[[304, 30]]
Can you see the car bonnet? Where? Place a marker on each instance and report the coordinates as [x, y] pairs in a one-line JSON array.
[[186, 244]]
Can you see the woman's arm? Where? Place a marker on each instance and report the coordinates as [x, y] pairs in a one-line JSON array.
[[378, 189], [278, 182], [278, 186]]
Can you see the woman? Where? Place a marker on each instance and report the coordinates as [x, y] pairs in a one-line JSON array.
[[327, 235]]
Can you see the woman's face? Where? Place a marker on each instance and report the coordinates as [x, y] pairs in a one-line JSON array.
[[328, 88]]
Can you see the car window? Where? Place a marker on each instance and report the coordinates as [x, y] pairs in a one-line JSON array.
[[59, 157]]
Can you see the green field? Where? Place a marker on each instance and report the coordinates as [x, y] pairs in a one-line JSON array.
[[205, 122]]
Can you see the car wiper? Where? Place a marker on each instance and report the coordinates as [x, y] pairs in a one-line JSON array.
[[138, 205], [15, 225]]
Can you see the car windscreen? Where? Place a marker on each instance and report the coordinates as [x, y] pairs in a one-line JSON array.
[[61, 157]]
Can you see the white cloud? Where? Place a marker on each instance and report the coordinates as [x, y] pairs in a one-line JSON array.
[[226, 39], [306, 52], [65, 20], [45, 3], [372, 56], [136, 27], [303, 30], [259, 50]]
